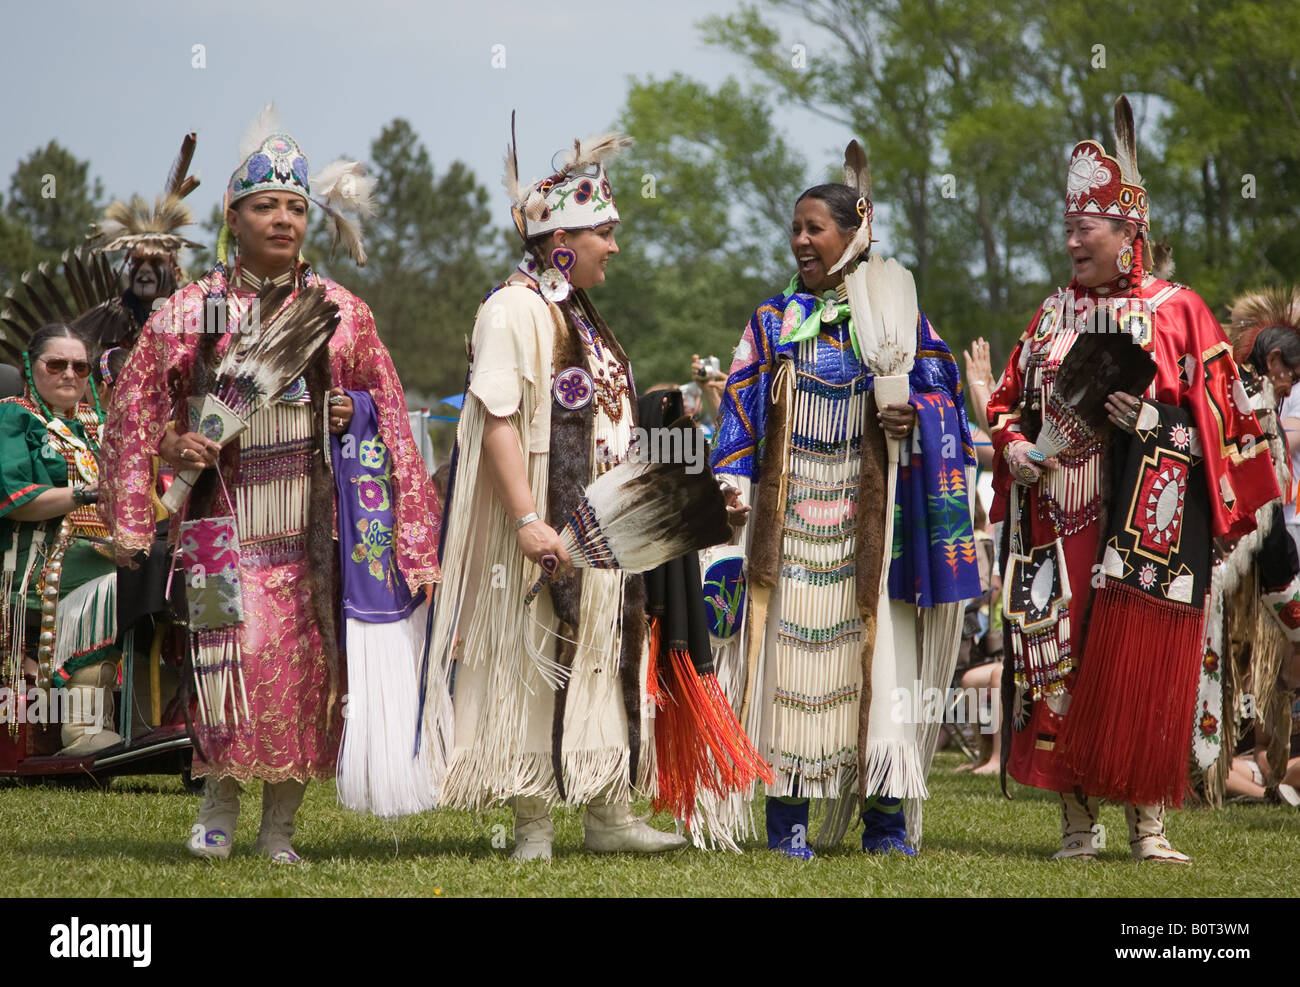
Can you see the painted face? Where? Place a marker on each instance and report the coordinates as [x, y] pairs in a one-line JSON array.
[[270, 228], [594, 249], [817, 243], [63, 389], [1094, 244], [146, 281]]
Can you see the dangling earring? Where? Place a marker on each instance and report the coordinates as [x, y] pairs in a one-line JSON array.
[[554, 281], [1125, 259]]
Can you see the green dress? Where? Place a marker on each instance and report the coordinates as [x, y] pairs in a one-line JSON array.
[[32, 461]]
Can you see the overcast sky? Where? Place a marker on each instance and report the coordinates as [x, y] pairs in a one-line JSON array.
[[115, 82]]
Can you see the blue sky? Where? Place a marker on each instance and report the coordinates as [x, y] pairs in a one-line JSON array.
[[115, 82]]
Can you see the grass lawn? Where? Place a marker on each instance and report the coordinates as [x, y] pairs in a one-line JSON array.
[[130, 841]]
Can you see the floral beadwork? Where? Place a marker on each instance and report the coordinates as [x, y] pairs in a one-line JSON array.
[[373, 547]]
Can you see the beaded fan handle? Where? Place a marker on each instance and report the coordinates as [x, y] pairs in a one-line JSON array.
[[549, 564]]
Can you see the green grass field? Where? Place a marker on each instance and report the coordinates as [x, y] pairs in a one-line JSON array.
[[130, 841]]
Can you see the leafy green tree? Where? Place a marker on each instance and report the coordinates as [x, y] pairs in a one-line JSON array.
[[969, 107], [51, 196], [432, 254], [705, 197]]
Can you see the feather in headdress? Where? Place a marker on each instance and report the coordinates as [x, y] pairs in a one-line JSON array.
[[639, 515], [180, 182], [341, 188], [136, 226], [857, 176], [596, 150], [1256, 311], [1126, 148], [266, 123], [1101, 360]]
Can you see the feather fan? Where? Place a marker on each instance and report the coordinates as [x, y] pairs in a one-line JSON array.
[[265, 358], [882, 299], [639, 516], [1101, 361]]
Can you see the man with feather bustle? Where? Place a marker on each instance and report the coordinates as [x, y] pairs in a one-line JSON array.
[[1124, 441], [313, 358]]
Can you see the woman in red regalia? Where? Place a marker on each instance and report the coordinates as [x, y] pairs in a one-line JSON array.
[[1108, 542]]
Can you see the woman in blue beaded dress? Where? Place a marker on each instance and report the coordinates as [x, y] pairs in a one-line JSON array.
[[845, 631]]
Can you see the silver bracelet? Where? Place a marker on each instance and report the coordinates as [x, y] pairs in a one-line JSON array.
[[526, 519]]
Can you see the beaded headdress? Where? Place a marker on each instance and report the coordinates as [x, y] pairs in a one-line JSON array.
[[577, 196], [1105, 186], [272, 161]]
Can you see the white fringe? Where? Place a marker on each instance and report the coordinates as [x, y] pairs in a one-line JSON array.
[[378, 770], [86, 619]]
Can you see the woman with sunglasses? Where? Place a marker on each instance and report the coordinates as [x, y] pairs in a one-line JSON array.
[[49, 484]]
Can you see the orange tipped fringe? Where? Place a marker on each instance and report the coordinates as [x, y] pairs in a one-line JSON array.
[[699, 743]]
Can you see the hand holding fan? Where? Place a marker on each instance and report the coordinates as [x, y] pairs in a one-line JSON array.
[[639, 516], [257, 368], [1103, 359]]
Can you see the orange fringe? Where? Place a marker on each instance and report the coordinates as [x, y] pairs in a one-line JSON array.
[[699, 743]]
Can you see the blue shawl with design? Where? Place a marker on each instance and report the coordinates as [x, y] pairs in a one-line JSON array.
[[934, 555]]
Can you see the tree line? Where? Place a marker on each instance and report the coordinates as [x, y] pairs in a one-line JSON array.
[[967, 108]]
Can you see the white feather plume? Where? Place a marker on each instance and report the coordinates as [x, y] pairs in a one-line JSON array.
[[266, 123], [887, 329], [344, 191], [596, 150], [517, 191], [345, 185]]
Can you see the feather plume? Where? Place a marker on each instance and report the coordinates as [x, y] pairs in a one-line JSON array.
[[596, 150], [1102, 360], [1258, 310], [345, 185], [857, 176], [1126, 148], [1162, 259], [857, 172], [886, 326], [517, 192], [344, 188], [179, 181], [266, 123]]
